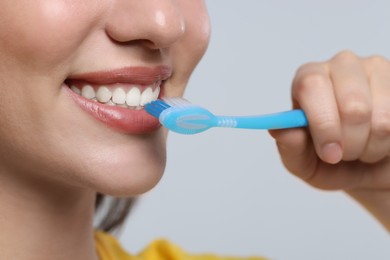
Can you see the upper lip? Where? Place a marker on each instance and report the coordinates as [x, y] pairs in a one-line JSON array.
[[129, 75]]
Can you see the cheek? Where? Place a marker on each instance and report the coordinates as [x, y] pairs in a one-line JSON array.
[[45, 31], [193, 45], [198, 25]]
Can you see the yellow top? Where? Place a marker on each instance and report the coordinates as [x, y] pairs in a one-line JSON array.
[[108, 248]]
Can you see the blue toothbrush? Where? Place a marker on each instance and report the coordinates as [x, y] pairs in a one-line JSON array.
[[181, 116]]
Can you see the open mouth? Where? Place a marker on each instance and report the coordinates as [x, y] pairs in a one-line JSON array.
[[117, 98]]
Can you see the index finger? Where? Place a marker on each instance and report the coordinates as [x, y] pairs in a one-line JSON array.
[[313, 92]]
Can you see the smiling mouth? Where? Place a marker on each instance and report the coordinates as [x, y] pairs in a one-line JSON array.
[[130, 96], [117, 97]]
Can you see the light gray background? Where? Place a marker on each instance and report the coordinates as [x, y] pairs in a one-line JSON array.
[[225, 191]]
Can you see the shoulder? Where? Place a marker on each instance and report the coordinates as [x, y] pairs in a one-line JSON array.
[[109, 248]]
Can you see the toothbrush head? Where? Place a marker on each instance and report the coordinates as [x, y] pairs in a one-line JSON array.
[[180, 116]]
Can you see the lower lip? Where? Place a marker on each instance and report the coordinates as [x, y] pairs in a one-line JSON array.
[[121, 119]]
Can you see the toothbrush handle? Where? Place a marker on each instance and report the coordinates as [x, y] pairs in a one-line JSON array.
[[281, 120]]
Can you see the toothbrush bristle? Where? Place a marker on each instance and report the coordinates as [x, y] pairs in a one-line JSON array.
[[156, 107], [177, 101]]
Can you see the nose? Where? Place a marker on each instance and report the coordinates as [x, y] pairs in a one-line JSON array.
[[158, 22]]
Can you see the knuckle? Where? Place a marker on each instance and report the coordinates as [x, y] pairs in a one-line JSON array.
[[311, 80], [314, 79], [381, 124], [355, 110], [345, 56], [377, 61], [307, 67]]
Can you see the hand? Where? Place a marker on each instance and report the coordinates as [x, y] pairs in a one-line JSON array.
[[347, 144]]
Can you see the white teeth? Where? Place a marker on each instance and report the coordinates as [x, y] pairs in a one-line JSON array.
[[133, 97], [103, 95], [156, 93], [147, 96], [119, 96], [88, 92]]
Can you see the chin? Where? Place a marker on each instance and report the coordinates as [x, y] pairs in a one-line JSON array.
[[122, 182], [131, 169], [121, 165]]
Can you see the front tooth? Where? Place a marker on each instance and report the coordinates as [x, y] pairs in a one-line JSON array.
[[147, 96], [133, 97], [119, 96], [88, 92], [103, 94], [156, 93]]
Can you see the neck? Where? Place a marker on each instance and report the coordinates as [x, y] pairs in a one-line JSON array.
[[42, 220]]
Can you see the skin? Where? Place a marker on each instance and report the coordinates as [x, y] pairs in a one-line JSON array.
[[347, 145], [54, 157]]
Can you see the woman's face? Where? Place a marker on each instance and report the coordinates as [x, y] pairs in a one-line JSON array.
[[73, 78]]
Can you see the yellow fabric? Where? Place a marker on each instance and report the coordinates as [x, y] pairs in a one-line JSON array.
[[108, 248]]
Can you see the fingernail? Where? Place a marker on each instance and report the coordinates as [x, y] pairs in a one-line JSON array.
[[331, 153]]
